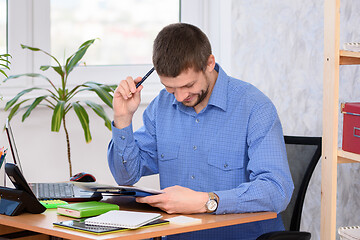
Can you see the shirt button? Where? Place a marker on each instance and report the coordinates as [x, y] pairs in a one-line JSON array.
[[194, 147], [197, 120], [192, 177], [124, 161], [123, 137], [226, 165], [162, 156]]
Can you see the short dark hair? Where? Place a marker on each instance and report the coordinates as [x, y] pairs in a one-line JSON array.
[[180, 46]]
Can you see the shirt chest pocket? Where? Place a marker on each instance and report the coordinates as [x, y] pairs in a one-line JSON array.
[[226, 161], [170, 152]]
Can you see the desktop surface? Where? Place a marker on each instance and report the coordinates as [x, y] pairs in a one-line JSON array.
[[43, 223]]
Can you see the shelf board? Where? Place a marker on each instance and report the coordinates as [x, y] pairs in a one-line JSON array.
[[347, 157], [349, 57]]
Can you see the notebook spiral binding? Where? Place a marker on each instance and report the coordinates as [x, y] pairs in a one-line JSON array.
[[349, 233], [352, 227]]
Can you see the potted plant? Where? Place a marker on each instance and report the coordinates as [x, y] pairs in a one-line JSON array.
[[60, 98], [3, 58]]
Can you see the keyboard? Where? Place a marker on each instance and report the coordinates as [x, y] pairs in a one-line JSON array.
[[52, 190]]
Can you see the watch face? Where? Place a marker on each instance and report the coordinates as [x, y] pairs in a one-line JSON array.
[[212, 205]]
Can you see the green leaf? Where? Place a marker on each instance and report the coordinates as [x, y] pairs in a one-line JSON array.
[[3, 73], [45, 67], [32, 106], [15, 109], [108, 88], [59, 70], [99, 110], [75, 58], [30, 75], [5, 60], [72, 92], [5, 66], [5, 55], [20, 75], [57, 116], [30, 48], [113, 87], [84, 120], [38, 49], [14, 100], [104, 95]]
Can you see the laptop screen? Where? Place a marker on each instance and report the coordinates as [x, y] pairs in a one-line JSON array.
[[12, 144]]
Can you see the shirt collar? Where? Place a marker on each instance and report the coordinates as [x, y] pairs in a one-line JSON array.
[[219, 93]]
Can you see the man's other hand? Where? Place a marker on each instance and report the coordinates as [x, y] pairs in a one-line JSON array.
[[178, 199]]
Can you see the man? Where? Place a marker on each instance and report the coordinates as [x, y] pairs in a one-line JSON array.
[[216, 141]]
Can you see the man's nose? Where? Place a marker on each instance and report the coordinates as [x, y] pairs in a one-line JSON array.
[[180, 94]]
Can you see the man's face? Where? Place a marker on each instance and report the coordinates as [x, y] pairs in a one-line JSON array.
[[189, 87]]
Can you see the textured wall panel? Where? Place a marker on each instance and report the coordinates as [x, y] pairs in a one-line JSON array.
[[278, 47]]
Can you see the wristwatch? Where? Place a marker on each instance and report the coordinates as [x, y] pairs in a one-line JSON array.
[[212, 204]]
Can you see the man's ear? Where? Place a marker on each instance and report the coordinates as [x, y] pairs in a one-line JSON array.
[[210, 63]]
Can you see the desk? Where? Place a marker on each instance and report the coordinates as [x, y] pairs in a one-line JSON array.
[[42, 223]]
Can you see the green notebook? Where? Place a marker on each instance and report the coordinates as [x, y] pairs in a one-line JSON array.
[[86, 209]]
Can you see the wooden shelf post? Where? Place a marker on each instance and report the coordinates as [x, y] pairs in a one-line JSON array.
[[330, 119]]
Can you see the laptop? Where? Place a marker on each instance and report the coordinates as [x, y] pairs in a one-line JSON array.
[[66, 191]]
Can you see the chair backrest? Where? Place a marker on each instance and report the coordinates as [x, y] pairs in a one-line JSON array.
[[303, 154]]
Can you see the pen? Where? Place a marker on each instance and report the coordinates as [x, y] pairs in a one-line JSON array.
[[145, 77]]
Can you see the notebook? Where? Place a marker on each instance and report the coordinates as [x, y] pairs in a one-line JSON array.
[[80, 225], [349, 233], [86, 209], [43, 191], [123, 219]]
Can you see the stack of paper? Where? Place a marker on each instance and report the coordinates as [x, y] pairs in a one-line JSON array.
[[349, 233], [124, 219], [352, 46]]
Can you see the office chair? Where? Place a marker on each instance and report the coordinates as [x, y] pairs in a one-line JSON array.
[[303, 154]]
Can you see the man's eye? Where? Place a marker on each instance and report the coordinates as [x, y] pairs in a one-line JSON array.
[[170, 90]]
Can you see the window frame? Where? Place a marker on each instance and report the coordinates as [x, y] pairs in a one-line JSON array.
[[29, 24]]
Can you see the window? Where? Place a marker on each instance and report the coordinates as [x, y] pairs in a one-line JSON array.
[[3, 20], [126, 29], [46, 24]]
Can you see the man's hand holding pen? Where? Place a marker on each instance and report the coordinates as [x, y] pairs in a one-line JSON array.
[[127, 99]]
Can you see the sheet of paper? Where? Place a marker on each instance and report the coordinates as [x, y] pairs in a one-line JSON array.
[[184, 220]]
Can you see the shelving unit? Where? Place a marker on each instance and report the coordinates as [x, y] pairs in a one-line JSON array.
[[349, 58], [331, 155]]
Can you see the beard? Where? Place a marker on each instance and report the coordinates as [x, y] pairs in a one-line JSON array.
[[201, 96]]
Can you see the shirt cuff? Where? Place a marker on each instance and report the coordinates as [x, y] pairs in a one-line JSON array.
[[227, 203], [122, 137]]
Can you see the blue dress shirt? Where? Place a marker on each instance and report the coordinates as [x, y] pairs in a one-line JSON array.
[[233, 147]]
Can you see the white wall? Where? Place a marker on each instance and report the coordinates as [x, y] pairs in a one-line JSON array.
[[43, 153]]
